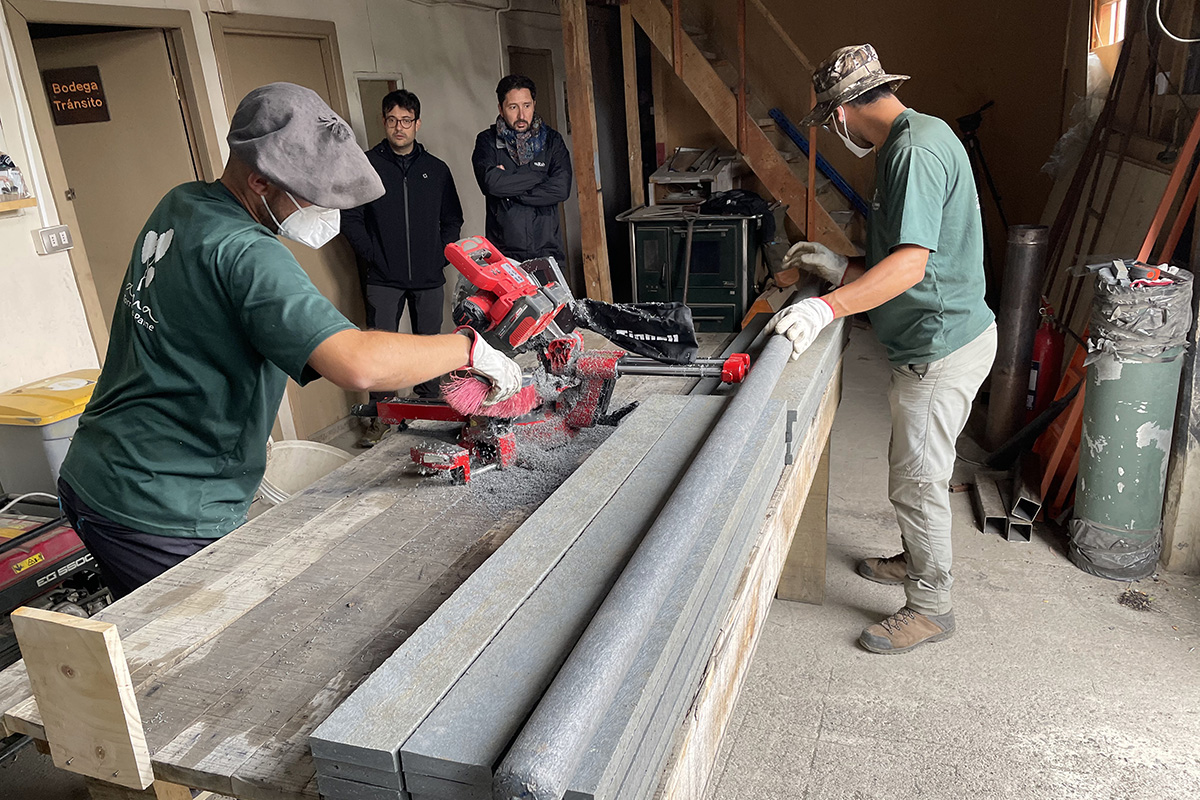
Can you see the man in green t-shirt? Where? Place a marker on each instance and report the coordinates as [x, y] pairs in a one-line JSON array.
[[922, 284], [215, 314]]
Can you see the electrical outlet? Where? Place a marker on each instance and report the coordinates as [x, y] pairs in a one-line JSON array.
[[53, 240]]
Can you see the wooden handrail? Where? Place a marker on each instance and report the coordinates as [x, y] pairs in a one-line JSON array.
[[677, 37], [782, 34]]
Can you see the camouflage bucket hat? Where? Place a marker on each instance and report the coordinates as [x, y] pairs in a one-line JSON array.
[[845, 75]]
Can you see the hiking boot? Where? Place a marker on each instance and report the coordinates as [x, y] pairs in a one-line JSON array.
[[892, 570], [906, 629], [374, 433]]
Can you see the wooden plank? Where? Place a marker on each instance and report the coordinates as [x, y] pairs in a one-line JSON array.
[[783, 34], [583, 149], [691, 604], [803, 577], [77, 670], [633, 120], [721, 105], [371, 725], [184, 595], [259, 748], [698, 741], [467, 734]]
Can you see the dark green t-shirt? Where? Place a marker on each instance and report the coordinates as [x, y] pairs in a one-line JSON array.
[[925, 195], [214, 315]]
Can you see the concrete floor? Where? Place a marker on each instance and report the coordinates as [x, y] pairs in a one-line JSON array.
[[1050, 689]]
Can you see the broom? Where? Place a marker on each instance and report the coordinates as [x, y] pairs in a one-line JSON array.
[[466, 391]]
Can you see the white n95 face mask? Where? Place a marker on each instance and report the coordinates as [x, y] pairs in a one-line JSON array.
[[313, 225], [843, 133]]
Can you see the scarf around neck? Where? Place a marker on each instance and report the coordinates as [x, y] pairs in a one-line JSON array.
[[523, 147]]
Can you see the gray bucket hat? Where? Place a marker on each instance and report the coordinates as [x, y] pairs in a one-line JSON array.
[[290, 135], [845, 75]]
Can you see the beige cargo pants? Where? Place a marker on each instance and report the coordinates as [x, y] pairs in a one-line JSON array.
[[930, 404]]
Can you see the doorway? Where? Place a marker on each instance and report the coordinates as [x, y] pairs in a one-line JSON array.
[[255, 50], [371, 91], [118, 169]]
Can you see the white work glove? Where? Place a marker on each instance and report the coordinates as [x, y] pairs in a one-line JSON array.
[[818, 259], [489, 363], [801, 322]]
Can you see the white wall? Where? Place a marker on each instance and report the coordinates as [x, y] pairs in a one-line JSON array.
[[43, 331], [449, 54]]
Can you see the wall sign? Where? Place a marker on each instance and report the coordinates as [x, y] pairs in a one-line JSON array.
[[76, 95]]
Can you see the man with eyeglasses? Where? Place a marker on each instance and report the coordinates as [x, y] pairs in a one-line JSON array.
[[922, 284], [524, 170], [400, 238]]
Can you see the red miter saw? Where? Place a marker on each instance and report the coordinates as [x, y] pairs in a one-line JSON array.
[[521, 307]]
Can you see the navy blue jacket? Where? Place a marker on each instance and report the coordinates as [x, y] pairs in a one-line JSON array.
[[522, 202], [400, 238]]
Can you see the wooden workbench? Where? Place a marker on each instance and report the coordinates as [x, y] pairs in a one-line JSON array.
[[237, 654]]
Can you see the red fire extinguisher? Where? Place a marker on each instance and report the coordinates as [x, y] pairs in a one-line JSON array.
[[1046, 367]]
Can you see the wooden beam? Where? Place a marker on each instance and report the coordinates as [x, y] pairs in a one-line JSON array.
[[677, 37], [583, 147], [633, 124], [79, 676], [803, 576], [741, 84], [783, 35]]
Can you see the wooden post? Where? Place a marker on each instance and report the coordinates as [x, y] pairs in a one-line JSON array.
[[803, 577], [810, 212], [677, 37], [741, 84], [583, 149], [633, 125]]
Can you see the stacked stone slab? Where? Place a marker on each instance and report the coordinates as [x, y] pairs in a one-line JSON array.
[[436, 719]]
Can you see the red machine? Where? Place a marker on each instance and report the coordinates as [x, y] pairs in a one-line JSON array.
[[44, 564], [508, 303]]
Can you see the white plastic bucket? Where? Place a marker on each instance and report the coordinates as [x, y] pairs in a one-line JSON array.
[[293, 465]]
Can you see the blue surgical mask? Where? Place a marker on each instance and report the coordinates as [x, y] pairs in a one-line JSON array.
[[312, 225]]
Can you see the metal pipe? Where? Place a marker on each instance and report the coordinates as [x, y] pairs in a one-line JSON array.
[[1016, 324], [549, 749]]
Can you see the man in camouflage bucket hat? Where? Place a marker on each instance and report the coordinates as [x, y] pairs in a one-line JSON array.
[[215, 315], [922, 284]]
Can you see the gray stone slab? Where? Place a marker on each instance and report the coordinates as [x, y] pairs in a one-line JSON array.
[[353, 772], [803, 382], [466, 735], [645, 763], [369, 727], [442, 789], [339, 789], [608, 754]]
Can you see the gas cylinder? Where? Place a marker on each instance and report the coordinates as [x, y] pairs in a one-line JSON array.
[[1045, 367]]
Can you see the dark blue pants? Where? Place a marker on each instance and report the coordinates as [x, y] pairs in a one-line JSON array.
[[127, 558], [385, 306]]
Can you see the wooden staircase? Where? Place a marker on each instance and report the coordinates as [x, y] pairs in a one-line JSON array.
[[777, 162]]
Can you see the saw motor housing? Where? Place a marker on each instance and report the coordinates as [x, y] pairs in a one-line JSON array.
[[508, 302]]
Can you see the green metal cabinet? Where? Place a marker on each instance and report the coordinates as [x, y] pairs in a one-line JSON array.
[[723, 261]]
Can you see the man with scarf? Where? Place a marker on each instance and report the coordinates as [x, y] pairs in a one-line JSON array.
[[524, 170]]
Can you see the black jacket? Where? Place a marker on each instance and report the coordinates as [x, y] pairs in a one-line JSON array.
[[400, 238], [522, 202]]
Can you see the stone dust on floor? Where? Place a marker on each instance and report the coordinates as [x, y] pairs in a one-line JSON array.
[[1050, 688]]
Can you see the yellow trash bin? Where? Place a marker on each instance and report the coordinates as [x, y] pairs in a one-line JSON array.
[[37, 422]]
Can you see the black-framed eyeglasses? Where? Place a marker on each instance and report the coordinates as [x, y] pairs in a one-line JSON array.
[[399, 122]]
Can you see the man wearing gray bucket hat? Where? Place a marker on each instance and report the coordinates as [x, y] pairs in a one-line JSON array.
[[215, 315], [922, 284]]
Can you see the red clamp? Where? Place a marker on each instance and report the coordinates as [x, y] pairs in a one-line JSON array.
[[735, 368]]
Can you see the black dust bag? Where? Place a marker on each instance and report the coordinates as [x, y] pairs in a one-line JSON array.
[[662, 331]]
